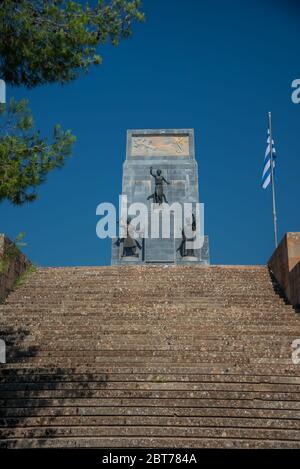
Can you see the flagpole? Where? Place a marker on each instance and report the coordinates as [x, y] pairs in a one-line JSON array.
[[272, 181]]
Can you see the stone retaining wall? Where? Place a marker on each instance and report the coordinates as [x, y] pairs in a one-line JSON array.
[[13, 263], [285, 265]]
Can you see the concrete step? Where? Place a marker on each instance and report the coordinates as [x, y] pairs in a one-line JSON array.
[[146, 420], [11, 375], [152, 442], [151, 431], [7, 396], [227, 369], [245, 402], [146, 343], [34, 387], [22, 416]]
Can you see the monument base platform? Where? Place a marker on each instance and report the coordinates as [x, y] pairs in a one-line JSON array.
[[130, 259], [156, 252]]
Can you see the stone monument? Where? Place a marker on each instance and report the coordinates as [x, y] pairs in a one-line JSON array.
[[160, 169]]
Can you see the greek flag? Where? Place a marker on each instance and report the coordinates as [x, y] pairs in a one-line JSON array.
[[266, 177]]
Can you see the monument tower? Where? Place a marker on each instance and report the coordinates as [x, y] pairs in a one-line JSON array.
[[160, 169]]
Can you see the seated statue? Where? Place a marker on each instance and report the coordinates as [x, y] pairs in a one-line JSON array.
[[129, 242], [184, 251]]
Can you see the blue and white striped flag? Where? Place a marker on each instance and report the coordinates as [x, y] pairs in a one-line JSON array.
[[266, 177]]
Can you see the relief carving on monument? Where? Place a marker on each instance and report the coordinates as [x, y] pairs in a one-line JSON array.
[[160, 145]]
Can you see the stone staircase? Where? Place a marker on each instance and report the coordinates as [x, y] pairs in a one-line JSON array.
[[149, 356]]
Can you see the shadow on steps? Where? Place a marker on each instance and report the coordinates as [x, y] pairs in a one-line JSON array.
[[27, 415], [13, 383], [280, 292], [13, 338], [277, 289]]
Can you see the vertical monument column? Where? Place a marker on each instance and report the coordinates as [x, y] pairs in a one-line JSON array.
[[172, 179]]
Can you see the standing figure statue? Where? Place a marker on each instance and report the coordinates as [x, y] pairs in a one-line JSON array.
[[158, 196], [129, 242], [184, 251]]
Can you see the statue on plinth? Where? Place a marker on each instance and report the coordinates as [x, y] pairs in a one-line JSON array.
[[130, 244], [158, 196], [184, 251]]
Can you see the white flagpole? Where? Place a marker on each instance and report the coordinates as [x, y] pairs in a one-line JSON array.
[[272, 181]]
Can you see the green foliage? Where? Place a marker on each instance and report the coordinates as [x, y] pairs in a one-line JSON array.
[[53, 40], [10, 254], [46, 41], [23, 277], [25, 157]]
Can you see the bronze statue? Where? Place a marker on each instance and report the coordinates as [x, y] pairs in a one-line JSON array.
[[129, 243], [184, 252], [158, 195]]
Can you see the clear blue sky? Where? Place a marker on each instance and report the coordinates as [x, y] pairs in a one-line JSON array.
[[217, 66]]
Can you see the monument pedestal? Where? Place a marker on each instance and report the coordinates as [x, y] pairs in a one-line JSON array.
[[133, 259], [172, 152]]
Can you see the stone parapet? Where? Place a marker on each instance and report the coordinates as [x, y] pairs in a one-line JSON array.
[[13, 263], [285, 265]]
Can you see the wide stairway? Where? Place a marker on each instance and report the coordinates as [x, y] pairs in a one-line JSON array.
[[149, 356]]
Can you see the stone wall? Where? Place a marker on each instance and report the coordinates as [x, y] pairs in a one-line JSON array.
[[285, 265], [295, 284], [13, 263]]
